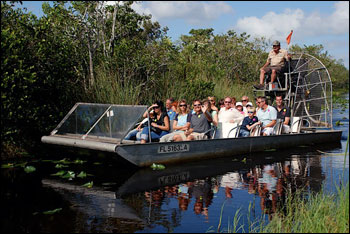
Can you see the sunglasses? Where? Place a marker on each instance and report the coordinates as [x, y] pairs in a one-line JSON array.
[[183, 105], [155, 107], [197, 105], [250, 112], [244, 100], [211, 100], [227, 102]]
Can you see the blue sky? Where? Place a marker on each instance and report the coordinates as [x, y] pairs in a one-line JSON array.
[[312, 22]]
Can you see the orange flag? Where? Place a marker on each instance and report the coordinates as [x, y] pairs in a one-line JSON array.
[[289, 37]]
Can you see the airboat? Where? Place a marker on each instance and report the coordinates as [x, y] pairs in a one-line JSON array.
[[307, 89]]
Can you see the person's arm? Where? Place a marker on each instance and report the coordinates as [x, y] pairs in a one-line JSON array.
[[175, 127], [270, 125], [286, 120], [145, 115], [188, 132], [266, 64], [207, 114], [252, 126], [166, 124], [287, 116], [215, 119]]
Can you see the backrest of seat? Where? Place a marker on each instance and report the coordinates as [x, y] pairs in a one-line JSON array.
[[255, 131], [171, 126], [277, 129], [231, 133], [296, 124]]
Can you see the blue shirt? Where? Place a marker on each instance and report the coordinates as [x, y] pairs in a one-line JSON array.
[[249, 121], [182, 119], [171, 114], [266, 116]]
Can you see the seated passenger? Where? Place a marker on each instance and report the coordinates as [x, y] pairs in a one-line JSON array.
[[249, 122], [267, 116], [213, 113], [200, 124], [181, 121], [239, 107], [221, 103], [274, 64], [283, 112], [170, 108], [135, 133], [159, 123], [233, 102], [229, 114], [212, 101], [245, 101]]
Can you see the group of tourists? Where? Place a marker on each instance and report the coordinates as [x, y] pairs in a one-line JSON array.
[[179, 121]]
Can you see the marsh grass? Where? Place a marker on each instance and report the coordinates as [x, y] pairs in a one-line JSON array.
[[317, 213], [109, 89], [320, 213]]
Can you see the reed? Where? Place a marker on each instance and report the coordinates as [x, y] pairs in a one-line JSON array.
[[320, 213], [225, 87]]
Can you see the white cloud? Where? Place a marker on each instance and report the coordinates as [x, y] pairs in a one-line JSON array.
[[277, 26], [195, 13]]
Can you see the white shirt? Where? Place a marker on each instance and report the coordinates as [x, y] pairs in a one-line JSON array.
[[225, 116]]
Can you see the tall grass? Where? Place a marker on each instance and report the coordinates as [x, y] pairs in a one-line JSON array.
[[108, 89], [320, 213]]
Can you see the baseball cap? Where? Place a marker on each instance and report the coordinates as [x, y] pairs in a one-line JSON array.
[[239, 104], [276, 43], [249, 104]]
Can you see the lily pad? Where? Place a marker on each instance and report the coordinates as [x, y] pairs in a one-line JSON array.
[[60, 166], [338, 123], [60, 173], [69, 175], [79, 161], [29, 169], [49, 212], [9, 165], [157, 166], [89, 184], [82, 174]]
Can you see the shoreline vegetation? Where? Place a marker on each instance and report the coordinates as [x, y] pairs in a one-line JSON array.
[[81, 52], [315, 213]]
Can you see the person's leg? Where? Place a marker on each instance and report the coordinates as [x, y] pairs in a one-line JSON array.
[[244, 133], [179, 137], [131, 134], [167, 137], [144, 135], [273, 75], [262, 76]]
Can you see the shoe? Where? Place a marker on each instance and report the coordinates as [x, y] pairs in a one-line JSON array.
[[260, 86]]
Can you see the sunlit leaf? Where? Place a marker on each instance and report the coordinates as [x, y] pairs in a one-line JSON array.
[[82, 174], [49, 212], [29, 169], [60, 173], [89, 184]]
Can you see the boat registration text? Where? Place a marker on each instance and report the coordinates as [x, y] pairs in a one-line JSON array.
[[173, 148]]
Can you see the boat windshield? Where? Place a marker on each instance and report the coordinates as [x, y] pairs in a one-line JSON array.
[[99, 120]]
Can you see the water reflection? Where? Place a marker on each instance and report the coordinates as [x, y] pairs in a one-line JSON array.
[[189, 197]]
